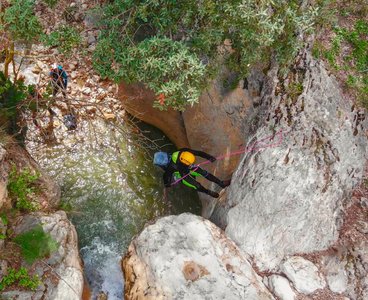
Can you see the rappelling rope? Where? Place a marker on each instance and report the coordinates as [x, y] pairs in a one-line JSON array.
[[255, 146]]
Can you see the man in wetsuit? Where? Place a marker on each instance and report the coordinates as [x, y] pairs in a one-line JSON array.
[[180, 165], [59, 80]]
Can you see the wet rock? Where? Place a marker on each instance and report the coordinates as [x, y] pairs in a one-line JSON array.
[[188, 257], [222, 108], [62, 272], [138, 100], [288, 196], [280, 286], [303, 274]]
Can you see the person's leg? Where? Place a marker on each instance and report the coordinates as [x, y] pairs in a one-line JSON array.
[[213, 178], [191, 182]]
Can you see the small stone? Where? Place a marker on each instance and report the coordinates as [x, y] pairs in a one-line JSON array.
[[303, 274], [87, 91], [364, 202], [73, 4], [36, 70], [72, 67], [91, 40], [74, 75], [280, 286], [362, 227]]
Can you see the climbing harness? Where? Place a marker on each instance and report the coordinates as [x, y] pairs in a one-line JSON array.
[[256, 146]]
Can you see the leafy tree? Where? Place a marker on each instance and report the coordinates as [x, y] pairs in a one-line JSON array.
[[243, 32], [17, 23]]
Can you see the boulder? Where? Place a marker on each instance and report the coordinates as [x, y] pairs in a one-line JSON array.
[[286, 196], [280, 287], [336, 276], [303, 274], [61, 273], [188, 257]]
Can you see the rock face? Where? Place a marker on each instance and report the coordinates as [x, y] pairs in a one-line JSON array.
[[138, 101], [287, 199], [188, 257], [49, 194], [216, 123], [61, 274]]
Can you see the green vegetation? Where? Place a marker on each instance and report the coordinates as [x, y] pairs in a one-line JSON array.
[[21, 186], [20, 22], [175, 47], [347, 49], [36, 244], [65, 38], [51, 3], [20, 277], [11, 96]]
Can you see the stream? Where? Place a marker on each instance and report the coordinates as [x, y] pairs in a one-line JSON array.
[[110, 189]]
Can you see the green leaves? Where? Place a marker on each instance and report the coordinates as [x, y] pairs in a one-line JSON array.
[[65, 38], [21, 277], [22, 189], [140, 41], [19, 19]]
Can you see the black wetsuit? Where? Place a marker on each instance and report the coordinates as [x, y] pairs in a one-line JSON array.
[[184, 170]]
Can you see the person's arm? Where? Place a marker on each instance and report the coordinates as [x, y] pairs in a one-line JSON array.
[[200, 153]]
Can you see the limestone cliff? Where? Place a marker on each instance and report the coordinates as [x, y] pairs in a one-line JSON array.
[[288, 199], [187, 257]]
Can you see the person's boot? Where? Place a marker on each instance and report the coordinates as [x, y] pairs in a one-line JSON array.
[[225, 183], [213, 194]]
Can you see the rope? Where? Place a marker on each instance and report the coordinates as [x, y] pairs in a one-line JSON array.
[[256, 146]]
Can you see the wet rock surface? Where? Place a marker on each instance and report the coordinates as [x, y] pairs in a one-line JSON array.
[[188, 257], [288, 199]]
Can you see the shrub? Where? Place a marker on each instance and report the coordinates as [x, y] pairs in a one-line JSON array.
[[251, 30], [36, 244], [22, 188], [11, 96], [20, 21], [65, 38], [21, 277]]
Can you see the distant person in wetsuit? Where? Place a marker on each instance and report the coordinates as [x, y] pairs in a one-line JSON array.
[[59, 80], [180, 164]]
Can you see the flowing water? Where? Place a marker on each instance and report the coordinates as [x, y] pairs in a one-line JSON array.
[[111, 189]]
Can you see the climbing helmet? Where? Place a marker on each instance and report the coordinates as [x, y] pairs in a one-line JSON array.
[[187, 158]]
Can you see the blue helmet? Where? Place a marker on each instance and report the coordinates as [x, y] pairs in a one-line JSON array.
[[60, 67]]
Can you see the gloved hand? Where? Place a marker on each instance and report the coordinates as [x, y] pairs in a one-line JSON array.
[[212, 159]]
